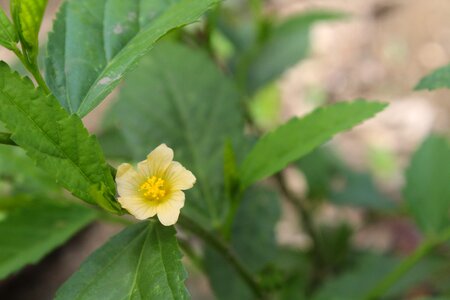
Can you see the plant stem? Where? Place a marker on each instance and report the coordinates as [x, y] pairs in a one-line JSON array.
[[215, 242], [305, 217], [5, 138], [387, 282]]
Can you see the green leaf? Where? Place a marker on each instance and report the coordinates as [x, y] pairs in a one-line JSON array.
[[94, 43], [291, 141], [8, 34], [440, 78], [56, 141], [167, 100], [253, 235], [29, 229], [427, 190], [27, 16], [141, 262], [285, 46]]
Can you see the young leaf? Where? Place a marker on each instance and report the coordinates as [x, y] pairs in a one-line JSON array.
[[8, 34], [194, 112], [440, 78], [427, 190], [27, 16], [285, 46], [29, 229], [141, 262], [94, 43], [57, 142], [291, 141]]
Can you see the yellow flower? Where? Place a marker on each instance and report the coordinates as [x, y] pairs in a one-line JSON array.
[[155, 188]]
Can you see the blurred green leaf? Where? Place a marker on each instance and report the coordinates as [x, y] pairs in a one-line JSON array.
[[94, 43], [8, 34], [335, 244], [56, 141], [427, 189], [191, 106], [369, 269], [291, 141], [141, 262], [438, 79], [27, 16], [253, 235], [265, 107], [29, 229], [114, 144], [285, 46]]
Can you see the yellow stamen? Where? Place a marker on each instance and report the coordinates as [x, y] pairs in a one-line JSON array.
[[153, 188]]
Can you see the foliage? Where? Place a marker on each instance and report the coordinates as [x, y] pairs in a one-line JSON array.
[[208, 91]]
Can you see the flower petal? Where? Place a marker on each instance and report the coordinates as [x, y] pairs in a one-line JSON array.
[[157, 161], [178, 177], [169, 211], [128, 181], [138, 207]]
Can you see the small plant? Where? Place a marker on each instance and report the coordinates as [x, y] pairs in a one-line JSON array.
[[193, 90]]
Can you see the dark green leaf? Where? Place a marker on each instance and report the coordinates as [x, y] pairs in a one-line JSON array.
[[94, 43], [285, 46], [439, 79], [291, 141], [8, 34], [57, 142], [27, 16], [141, 262], [427, 190], [191, 106], [253, 235], [29, 229]]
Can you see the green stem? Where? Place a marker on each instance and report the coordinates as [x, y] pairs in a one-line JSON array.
[[215, 242], [5, 138], [409, 262]]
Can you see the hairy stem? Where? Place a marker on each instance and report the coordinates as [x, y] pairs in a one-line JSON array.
[[219, 245], [407, 264]]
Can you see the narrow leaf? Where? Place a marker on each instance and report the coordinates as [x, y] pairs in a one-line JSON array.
[[141, 262], [427, 190], [439, 79], [94, 43], [29, 229], [57, 142], [291, 141], [8, 34], [27, 16]]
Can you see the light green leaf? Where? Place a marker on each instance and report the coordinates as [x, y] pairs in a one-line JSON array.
[[253, 235], [291, 141], [168, 100], [57, 142], [8, 34], [29, 229], [141, 262], [94, 43], [439, 79], [427, 190], [27, 16], [286, 45]]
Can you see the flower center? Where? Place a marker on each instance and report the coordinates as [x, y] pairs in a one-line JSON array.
[[153, 188]]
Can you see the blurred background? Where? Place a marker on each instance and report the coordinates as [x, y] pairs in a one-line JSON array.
[[379, 51]]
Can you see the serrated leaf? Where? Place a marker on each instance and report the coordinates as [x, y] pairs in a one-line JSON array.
[[291, 141], [286, 45], [94, 43], [27, 16], [29, 229], [56, 141], [438, 79], [193, 112], [427, 190], [8, 34], [141, 262]]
